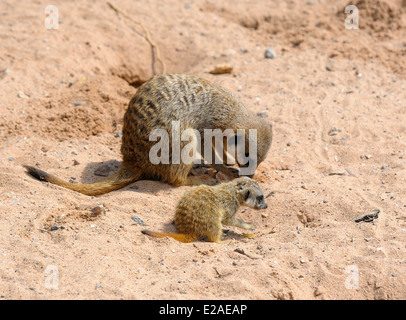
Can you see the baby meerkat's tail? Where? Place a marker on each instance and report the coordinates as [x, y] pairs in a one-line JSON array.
[[185, 238], [124, 176]]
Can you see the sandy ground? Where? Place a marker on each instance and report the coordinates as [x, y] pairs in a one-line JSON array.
[[336, 99]]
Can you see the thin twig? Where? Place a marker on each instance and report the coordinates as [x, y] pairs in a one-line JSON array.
[[241, 251], [147, 37]]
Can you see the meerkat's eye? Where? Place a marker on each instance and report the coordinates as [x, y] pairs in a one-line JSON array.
[[247, 195], [260, 198]]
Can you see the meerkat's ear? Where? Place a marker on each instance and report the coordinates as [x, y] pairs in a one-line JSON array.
[[240, 185]]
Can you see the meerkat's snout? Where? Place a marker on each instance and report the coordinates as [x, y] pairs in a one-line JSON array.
[[255, 201], [260, 203]]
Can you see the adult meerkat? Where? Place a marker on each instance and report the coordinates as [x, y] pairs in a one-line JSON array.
[[192, 101], [202, 210]]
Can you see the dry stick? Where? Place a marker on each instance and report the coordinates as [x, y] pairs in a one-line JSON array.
[[241, 251], [147, 37]]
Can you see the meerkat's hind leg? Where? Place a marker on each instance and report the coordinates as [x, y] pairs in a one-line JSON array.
[[215, 238], [215, 232]]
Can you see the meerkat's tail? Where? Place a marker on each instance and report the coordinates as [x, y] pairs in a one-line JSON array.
[[185, 238], [124, 176]]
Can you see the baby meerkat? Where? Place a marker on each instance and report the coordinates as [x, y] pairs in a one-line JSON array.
[[203, 210], [195, 104]]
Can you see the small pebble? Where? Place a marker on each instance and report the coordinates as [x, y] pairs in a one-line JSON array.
[[10, 159], [71, 82], [325, 201], [137, 220], [4, 72], [98, 210], [263, 114], [270, 54], [333, 131], [222, 68], [119, 134], [53, 228], [78, 103]]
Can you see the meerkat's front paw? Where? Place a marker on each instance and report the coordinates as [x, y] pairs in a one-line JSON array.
[[249, 226], [230, 171], [200, 165], [233, 171]]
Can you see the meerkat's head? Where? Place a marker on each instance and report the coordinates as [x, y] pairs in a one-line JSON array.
[[250, 193], [252, 145]]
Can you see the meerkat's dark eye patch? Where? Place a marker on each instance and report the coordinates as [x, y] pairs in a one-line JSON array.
[[247, 195], [260, 198]]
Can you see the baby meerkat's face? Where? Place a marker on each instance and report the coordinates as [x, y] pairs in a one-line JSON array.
[[255, 200], [251, 192]]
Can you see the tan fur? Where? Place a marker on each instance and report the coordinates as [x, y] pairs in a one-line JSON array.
[[203, 210], [197, 104]]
